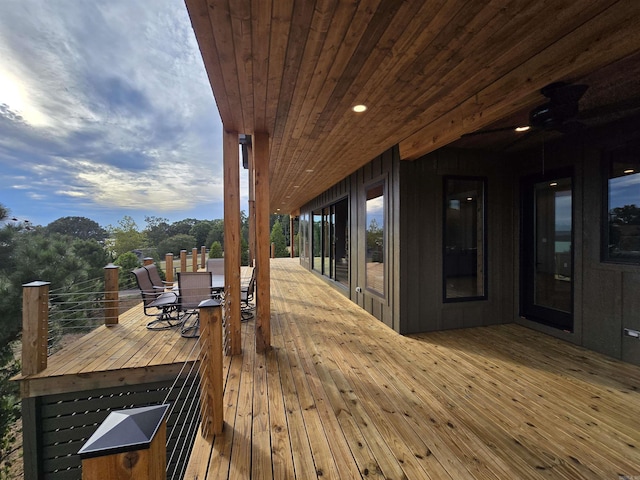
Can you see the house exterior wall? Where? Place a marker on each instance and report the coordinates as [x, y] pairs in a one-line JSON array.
[[606, 295], [384, 168], [422, 308]]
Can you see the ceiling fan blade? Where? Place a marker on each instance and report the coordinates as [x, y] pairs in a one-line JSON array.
[[520, 141], [490, 130], [562, 93], [610, 109]]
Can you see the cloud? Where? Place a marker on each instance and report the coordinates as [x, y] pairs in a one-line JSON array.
[[107, 103]]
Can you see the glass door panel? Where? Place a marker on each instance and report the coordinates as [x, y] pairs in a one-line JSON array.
[[548, 252]]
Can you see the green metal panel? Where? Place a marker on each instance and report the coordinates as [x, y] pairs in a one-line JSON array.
[[56, 426]]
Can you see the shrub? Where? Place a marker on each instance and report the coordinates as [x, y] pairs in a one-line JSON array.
[[216, 250]]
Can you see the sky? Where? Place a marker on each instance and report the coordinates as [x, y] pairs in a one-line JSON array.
[[106, 111]]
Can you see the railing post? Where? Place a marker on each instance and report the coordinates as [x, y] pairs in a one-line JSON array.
[[273, 250], [183, 260], [203, 256], [111, 307], [211, 362], [168, 266], [147, 261], [128, 444], [35, 326], [194, 259]]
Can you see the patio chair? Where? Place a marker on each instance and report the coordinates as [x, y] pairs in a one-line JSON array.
[[156, 280], [215, 266], [152, 298], [193, 287], [246, 297]]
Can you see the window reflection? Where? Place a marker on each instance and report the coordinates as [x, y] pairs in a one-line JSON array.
[[316, 243], [375, 239], [623, 209], [464, 261]]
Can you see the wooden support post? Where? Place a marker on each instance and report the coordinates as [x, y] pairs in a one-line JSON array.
[[147, 261], [291, 238], [252, 208], [273, 250], [232, 242], [111, 306], [194, 259], [183, 260], [168, 266], [110, 453], [203, 256], [263, 295], [211, 368], [35, 326]]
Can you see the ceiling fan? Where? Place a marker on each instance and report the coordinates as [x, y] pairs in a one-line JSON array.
[[559, 113]]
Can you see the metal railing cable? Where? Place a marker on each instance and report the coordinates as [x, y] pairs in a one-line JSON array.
[[184, 411]]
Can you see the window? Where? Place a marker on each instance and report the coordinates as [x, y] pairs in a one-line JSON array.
[[316, 243], [464, 239], [303, 235], [375, 253], [622, 227], [331, 241]]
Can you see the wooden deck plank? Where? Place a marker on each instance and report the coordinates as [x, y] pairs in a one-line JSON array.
[[342, 396], [319, 387]]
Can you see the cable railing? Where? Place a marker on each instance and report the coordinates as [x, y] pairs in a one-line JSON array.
[[194, 400]]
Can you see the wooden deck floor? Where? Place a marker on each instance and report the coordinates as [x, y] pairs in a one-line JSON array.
[[123, 354], [342, 396]]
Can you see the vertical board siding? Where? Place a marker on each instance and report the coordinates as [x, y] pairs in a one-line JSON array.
[[66, 421], [422, 306], [385, 166]]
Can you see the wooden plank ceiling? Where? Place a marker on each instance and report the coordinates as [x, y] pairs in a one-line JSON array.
[[428, 71]]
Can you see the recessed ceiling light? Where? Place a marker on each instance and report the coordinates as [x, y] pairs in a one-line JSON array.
[[553, 184], [469, 199], [629, 170], [524, 128], [359, 108]]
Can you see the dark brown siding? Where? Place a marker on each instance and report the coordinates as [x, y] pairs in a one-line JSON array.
[[421, 217], [385, 167], [606, 295]]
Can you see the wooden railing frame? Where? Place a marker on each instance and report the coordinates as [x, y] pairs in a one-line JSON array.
[[35, 326], [211, 369], [168, 265], [111, 295], [183, 260]]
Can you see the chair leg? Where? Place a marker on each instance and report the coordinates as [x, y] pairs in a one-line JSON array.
[[191, 325], [166, 319]]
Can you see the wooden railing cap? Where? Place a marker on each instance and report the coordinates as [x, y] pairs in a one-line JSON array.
[[36, 283], [125, 431], [209, 303]]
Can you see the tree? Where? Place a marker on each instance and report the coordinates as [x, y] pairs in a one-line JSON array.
[[127, 262], [78, 227], [182, 226], [626, 215], [94, 254], [216, 250], [157, 229], [126, 236], [277, 237], [216, 234], [176, 243], [200, 231]]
